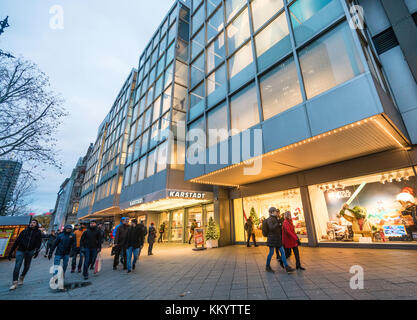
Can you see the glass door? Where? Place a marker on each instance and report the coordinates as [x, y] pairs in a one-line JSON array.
[[194, 213], [177, 225], [164, 218]]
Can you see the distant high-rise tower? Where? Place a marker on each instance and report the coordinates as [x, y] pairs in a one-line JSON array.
[[9, 172]]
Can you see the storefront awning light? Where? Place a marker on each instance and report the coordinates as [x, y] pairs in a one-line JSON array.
[[165, 204]]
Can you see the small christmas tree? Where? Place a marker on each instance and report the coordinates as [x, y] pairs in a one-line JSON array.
[[213, 232], [254, 216]]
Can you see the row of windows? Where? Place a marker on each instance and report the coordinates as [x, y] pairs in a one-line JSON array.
[[85, 201], [328, 61], [106, 189]]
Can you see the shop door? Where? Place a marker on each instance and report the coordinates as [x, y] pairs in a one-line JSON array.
[[164, 218], [194, 213], [177, 225]]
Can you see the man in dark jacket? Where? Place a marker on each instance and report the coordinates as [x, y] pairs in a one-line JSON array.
[[272, 229], [250, 231], [50, 242], [64, 243], [90, 246], [135, 240], [151, 238], [120, 243], [28, 244]]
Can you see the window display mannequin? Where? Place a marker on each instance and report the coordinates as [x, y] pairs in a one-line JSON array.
[[361, 226], [408, 210]]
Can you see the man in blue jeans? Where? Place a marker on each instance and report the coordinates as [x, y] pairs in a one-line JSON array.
[[272, 229], [28, 244], [90, 246], [135, 240], [65, 242]]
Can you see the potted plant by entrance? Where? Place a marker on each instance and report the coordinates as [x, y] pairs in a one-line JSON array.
[[212, 234]]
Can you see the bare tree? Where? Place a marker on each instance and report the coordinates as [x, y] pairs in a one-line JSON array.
[[30, 113], [22, 195]]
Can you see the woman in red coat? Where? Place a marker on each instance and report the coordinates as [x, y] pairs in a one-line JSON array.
[[290, 239]]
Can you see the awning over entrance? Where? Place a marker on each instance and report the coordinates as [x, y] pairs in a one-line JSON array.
[[167, 199], [364, 137]]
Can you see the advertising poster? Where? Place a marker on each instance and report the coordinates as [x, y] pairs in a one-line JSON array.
[[4, 241], [198, 236]]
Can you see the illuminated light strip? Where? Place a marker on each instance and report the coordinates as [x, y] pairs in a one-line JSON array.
[[389, 133], [334, 131]]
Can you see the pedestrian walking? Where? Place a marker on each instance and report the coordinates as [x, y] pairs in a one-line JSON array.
[[161, 232], [90, 246], [79, 230], [250, 231], [50, 242], [120, 243], [290, 239], [28, 244], [151, 238], [64, 244], [272, 229], [135, 241], [192, 228]]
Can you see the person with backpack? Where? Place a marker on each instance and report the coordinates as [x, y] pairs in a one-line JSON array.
[[120, 244], [161, 232], [50, 242], [290, 239], [79, 230], [250, 231], [64, 243], [151, 238], [272, 230], [192, 228], [28, 244]]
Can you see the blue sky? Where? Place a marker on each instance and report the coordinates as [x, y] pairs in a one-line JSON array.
[[87, 62]]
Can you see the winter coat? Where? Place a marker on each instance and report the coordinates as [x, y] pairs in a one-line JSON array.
[[78, 234], [274, 236], [115, 230], [64, 243], [249, 227], [162, 228], [151, 234], [136, 236], [51, 240], [121, 236], [91, 239], [289, 237], [28, 240]]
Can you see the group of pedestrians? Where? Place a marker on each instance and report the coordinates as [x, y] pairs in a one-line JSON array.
[[129, 241], [281, 238]]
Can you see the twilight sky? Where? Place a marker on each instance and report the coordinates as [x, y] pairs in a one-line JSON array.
[[87, 62]]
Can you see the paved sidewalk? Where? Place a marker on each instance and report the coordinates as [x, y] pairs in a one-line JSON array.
[[233, 272]]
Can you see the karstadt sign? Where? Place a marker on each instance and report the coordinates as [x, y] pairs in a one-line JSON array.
[[187, 194]]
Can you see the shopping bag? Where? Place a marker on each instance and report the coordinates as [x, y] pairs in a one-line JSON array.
[[97, 266]]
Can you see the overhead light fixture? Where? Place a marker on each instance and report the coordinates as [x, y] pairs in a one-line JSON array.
[[390, 178]]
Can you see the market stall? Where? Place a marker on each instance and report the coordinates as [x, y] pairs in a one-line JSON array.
[[10, 227]]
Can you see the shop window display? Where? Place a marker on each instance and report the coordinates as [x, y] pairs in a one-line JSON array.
[[257, 207], [375, 208]]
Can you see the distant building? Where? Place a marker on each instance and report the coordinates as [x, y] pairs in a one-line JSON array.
[[9, 173]]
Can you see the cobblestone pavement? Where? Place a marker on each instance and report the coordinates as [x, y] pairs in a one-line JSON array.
[[233, 272]]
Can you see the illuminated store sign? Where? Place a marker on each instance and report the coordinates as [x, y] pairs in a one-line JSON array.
[[135, 202], [188, 195]]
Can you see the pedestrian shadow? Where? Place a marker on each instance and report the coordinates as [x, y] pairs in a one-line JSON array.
[[73, 285]]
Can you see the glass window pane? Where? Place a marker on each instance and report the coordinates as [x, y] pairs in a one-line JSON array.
[[172, 32], [134, 176], [164, 27], [215, 53], [197, 70], [166, 100], [244, 109], [145, 139], [308, 16], [217, 122], [169, 75], [161, 65], [152, 75], [148, 115], [197, 19], [216, 79], [127, 176], [140, 126], [329, 61], [137, 149], [154, 134], [262, 10], [240, 60], [149, 98], [212, 5], [197, 44], [162, 157], [182, 50], [163, 45], [238, 31], [232, 7], [275, 36], [154, 56], [280, 89], [197, 95], [156, 109], [181, 73], [170, 53], [180, 97], [142, 167], [158, 86], [215, 24]]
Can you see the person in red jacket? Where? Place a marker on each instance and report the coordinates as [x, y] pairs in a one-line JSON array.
[[290, 239]]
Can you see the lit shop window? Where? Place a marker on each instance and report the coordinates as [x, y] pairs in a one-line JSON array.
[[177, 225], [258, 206], [329, 61], [375, 208], [244, 109]]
